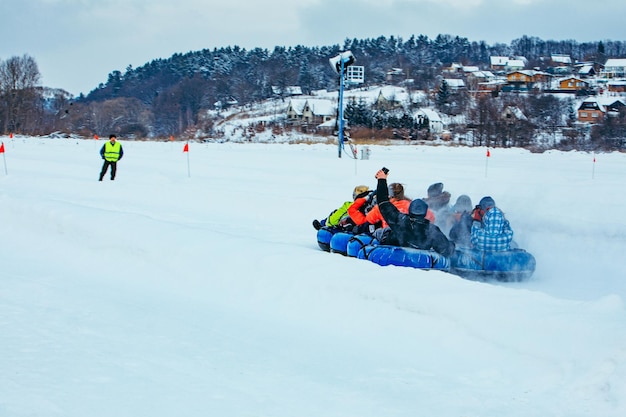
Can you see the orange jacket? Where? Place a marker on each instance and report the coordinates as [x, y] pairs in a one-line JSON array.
[[374, 216]]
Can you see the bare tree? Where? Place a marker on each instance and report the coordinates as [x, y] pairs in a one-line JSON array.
[[19, 77]]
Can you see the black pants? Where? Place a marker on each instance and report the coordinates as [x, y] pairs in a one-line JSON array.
[[105, 166]]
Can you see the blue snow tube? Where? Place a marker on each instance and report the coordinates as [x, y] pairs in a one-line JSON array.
[[510, 265], [339, 242], [357, 242], [396, 255], [323, 237]]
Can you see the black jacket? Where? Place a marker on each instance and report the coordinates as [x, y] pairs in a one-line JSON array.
[[413, 232]]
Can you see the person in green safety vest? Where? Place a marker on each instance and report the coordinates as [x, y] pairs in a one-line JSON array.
[[111, 152]]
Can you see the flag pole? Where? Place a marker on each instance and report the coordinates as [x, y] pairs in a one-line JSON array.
[[593, 167], [487, 161], [4, 158], [186, 150]]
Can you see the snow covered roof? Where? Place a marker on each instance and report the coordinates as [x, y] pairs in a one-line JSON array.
[[371, 94], [395, 71], [601, 103], [499, 60], [515, 63], [431, 114], [615, 63], [585, 69], [530, 73], [292, 90], [297, 104], [455, 83], [321, 107], [561, 58], [515, 112], [483, 74], [572, 79], [328, 123]]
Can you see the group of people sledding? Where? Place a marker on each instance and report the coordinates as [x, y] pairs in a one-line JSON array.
[[428, 224]]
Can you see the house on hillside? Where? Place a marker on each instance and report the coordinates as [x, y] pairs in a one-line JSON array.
[[513, 114], [435, 123], [318, 111], [395, 75], [515, 65], [616, 86], [387, 100], [586, 70], [492, 87], [294, 110], [505, 63], [573, 84], [561, 60], [468, 69], [498, 63], [594, 110], [454, 68], [455, 84], [310, 111], [525, 80], [614, 68], [289, 91], [476, 77]]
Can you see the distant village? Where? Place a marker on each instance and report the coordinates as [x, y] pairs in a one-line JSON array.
[[587, 93]]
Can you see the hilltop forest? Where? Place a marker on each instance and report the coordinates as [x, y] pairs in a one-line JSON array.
[[171, 96]]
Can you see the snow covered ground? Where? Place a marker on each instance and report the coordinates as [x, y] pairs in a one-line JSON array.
[[170, 292]]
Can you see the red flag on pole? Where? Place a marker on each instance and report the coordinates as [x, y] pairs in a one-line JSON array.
[[488, 153], [10, 135], [4, 158], [186, 148], [96, 137]]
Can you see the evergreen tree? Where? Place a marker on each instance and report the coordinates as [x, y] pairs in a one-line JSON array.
[[443, 94]]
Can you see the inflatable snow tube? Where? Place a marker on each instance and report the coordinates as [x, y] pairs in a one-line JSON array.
[[357, 242], [399, 256], [323, 237], [339, 242], [508, 266]]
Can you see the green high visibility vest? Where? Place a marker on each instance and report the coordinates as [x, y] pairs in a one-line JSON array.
[[112, 151]]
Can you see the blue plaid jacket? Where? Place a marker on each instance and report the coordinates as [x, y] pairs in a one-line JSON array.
[[494, 233]]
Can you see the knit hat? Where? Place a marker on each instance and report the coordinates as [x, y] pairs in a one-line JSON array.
[[463, 203], [418, 208], [396, 190], [486, 203], [358, 190], [435, 189]]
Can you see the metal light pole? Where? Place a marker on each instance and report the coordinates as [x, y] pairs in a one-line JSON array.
[[341, 84], [339, 64]]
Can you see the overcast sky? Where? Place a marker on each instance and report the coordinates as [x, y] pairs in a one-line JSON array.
[[77, 43]]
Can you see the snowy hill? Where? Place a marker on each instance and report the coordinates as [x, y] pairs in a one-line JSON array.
[[237, 124], [192, 285]]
